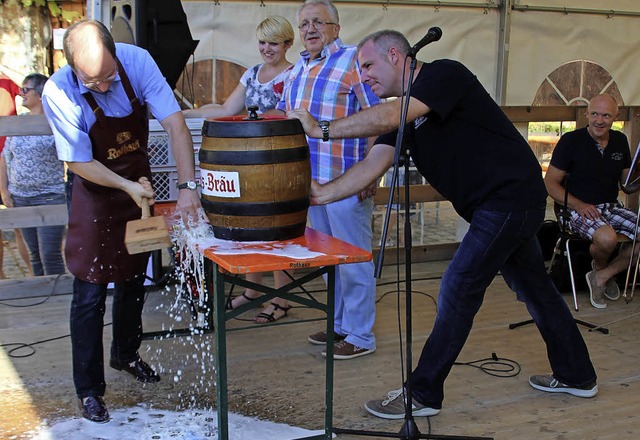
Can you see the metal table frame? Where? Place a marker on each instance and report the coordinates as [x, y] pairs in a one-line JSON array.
[[221, 269], [218, 281]]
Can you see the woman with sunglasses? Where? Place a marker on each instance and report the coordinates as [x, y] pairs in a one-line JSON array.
[[9, 90], [32, 175]]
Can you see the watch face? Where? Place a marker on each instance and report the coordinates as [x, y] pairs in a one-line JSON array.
[[190, 185]]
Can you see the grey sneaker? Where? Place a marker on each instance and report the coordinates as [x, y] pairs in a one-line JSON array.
[[596, 294], [550, 384], [344, 350], [320, 338], [393, 407], [612, 291]]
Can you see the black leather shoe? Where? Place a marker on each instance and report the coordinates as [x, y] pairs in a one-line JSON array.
[[94, 409], [138, 369]]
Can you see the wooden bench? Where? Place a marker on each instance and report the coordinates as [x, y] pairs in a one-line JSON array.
[[31, 217]]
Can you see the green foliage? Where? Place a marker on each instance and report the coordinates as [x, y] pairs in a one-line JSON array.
[[54, 9], [558, 127], [543, 127], [27, 3], [551, 128]]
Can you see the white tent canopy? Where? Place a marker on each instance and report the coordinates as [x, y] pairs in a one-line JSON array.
[[522, 41]]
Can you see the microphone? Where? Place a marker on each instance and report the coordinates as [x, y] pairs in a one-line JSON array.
[[433, 34]]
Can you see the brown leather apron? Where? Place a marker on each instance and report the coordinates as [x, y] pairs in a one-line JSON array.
[[95, 249]]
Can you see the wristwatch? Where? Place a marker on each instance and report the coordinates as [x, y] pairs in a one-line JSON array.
[[324, 126], [189, 184]]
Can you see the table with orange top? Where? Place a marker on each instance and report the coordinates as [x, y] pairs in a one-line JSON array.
[[325, 252]]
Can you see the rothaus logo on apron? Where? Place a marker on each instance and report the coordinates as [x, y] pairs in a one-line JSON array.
[[124, 146]]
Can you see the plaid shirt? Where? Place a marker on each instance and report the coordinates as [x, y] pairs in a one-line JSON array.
[[330, 87]]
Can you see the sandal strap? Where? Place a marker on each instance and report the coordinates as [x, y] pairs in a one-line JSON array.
[[248, 298], [267, 316], [271, 317], [279, 307], [229, 304]]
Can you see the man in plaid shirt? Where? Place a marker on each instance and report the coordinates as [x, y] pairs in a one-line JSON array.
[[326, 81]]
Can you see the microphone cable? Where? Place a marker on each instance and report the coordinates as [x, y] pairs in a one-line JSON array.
[[37, 303], [494, 366], [24, 345]]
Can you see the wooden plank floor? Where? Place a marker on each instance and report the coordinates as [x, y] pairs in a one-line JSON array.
[[274, 373]]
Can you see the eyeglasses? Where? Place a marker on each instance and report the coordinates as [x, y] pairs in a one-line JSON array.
[[94, 84], [319, 25], [25, 90]]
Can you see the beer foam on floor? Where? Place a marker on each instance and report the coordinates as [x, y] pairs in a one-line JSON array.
[[143, 423]]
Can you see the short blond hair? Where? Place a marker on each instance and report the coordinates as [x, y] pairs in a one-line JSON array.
[[275, 29]]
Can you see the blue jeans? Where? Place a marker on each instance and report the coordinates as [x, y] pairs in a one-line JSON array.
[[505, 242], [87, 321], [355, 288], [44, 242]]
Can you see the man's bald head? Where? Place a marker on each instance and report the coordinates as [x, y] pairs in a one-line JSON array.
[[601, 114], [604, 100], [88, 42]]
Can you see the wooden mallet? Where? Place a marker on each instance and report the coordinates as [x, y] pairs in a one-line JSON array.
[[147, 234]]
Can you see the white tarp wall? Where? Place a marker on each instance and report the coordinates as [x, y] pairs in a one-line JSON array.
[[227, 30], [540, 41]]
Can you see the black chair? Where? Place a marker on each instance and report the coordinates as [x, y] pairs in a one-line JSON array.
[[564, 248], [568, 241]]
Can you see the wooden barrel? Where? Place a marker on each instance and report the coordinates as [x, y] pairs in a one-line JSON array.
[[256, 177]]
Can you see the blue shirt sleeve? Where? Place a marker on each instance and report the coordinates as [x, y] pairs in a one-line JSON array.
[[71, 117]]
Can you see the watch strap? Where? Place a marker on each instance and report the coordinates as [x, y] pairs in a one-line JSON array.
[[324, 126], [189, 184]]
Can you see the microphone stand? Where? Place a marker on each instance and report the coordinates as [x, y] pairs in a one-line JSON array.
[[409, 430]]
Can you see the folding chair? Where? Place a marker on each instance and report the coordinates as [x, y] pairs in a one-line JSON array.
[[564, 244], [568, 240]]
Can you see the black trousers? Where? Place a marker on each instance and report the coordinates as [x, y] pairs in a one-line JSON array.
[[87, 322]]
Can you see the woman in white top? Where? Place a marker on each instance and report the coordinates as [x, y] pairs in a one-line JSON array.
[[261, 86]]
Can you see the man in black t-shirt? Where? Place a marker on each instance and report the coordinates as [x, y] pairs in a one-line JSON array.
[[591, 164], [466, 147]]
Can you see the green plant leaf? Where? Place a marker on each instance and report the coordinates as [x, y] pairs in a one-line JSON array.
[[54, 9], [70, 16]]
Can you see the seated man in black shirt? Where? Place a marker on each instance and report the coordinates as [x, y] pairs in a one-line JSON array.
[[598, 161]]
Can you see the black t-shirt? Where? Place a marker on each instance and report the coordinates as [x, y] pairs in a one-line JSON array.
[[466, 147], [593, 176]]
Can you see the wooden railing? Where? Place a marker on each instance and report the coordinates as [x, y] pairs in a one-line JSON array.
[[55, 215]]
